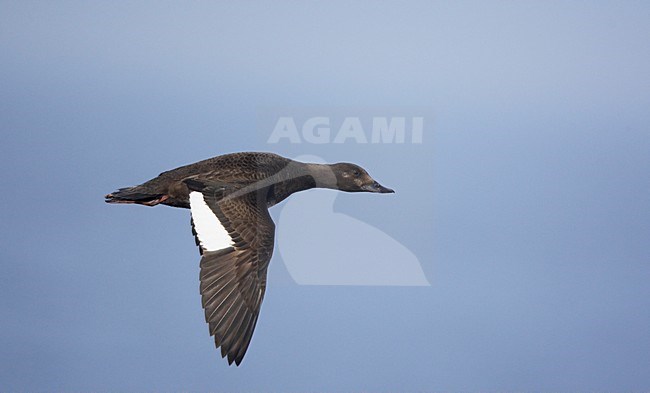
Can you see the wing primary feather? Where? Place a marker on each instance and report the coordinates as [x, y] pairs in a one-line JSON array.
[[233, 277]]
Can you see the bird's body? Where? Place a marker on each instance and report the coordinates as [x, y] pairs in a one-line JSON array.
[[229, 197]]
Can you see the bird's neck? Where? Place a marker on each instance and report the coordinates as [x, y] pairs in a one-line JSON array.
[[298, 177], [304, 176], [321, 176]]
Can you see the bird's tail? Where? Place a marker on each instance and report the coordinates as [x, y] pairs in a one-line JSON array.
[[137, 194]]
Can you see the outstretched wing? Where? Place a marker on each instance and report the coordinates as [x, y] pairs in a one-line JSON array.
[[235, 237]]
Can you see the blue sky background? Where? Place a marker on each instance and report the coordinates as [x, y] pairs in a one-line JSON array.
[[528, 202]]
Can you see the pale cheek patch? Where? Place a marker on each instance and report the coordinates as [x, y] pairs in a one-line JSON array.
[[211, 233]]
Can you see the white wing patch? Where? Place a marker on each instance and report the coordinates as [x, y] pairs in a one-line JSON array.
[[209, 230]]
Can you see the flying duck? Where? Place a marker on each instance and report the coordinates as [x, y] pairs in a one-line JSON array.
[[228, 197]]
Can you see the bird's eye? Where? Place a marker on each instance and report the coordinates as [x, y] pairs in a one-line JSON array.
[[356, 173]]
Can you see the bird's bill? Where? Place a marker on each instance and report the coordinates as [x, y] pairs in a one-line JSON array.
[[376, 187]]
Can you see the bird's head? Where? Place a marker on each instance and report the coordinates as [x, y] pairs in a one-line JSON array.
[[353, 178]]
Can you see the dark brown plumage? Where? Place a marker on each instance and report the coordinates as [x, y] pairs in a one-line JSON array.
[[230, 197]]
